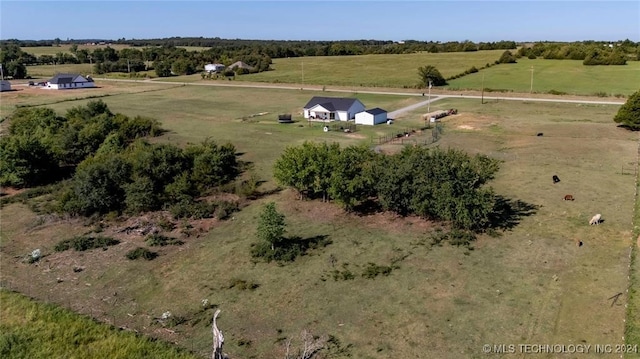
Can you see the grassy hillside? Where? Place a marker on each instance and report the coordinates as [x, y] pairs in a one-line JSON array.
[[33, 330]]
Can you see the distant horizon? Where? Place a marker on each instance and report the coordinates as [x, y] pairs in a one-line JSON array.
[[310, 20], [303, 40]]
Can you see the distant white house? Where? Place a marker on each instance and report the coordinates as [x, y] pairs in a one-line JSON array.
[[214, 67], [332, 108], [69, 81], [5, 86], [374, 116], [240, 65]]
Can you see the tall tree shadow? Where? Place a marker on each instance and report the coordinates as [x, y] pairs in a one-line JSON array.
[[289, 248], [508, 212]]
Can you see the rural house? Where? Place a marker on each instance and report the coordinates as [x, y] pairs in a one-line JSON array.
[[214, 68], [332, 108], [374, 116], [69, 81]]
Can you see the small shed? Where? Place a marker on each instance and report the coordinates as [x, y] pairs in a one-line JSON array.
[[374, 116], [5, 86], [286, 118]]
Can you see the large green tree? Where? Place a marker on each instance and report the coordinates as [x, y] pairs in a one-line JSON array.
[[430, 74], [271, 226], [308, 168], [353, 176], [25, 161], [629, 114]]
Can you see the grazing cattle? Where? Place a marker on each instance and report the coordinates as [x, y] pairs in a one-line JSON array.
[[540, 134], [595, 219], [568, 197], [556, 179]]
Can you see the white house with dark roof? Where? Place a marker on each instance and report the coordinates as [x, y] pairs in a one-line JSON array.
[[69, 81], [332, 108], [214, 67], [374, 116]]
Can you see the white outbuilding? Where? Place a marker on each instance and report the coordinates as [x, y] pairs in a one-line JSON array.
[[374, 116], [5, 86], [214, 68]]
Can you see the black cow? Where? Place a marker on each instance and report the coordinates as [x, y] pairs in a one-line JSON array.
[[556, 179]]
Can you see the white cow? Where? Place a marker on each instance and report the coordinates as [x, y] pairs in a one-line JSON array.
[[595, 219]]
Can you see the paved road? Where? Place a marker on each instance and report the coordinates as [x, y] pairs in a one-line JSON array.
[[392, 114]]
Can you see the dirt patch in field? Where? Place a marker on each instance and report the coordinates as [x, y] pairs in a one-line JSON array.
[[329, 212], [10, 191], [470, 122], [355, 135]]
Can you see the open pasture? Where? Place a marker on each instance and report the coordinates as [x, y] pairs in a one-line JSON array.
[[533, 284], [370, 70], [245, 117], [400, 71], [568, 76], [26, 96], [65, 48]]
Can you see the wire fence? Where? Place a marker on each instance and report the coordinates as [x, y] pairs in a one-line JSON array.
[[410, 135]]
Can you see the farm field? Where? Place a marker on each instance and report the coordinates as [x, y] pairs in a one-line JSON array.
[[401, 71], [52, 50], [532, 284]]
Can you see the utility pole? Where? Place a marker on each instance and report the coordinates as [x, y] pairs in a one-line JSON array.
[[531, 89], [91, 64], [429, 99], [482, 96], [128, 68]]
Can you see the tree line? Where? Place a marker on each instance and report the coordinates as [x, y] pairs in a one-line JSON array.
[[108, 166], [591, 52], [438, 184], [166, 57]]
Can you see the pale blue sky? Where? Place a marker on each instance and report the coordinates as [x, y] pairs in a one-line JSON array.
[[478, 21]]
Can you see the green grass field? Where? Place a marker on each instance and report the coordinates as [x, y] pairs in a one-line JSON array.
[[33, 330], [53, 50], [401, 71], [369, 70], [532, 284]]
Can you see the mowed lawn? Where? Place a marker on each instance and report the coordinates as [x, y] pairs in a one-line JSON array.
[[533, 284]]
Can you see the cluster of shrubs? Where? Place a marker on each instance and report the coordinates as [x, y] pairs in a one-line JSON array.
[[141, 252], [42, 147], [287, 249], [370, 271], [84, 243], [112, 168], [433, 183]]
